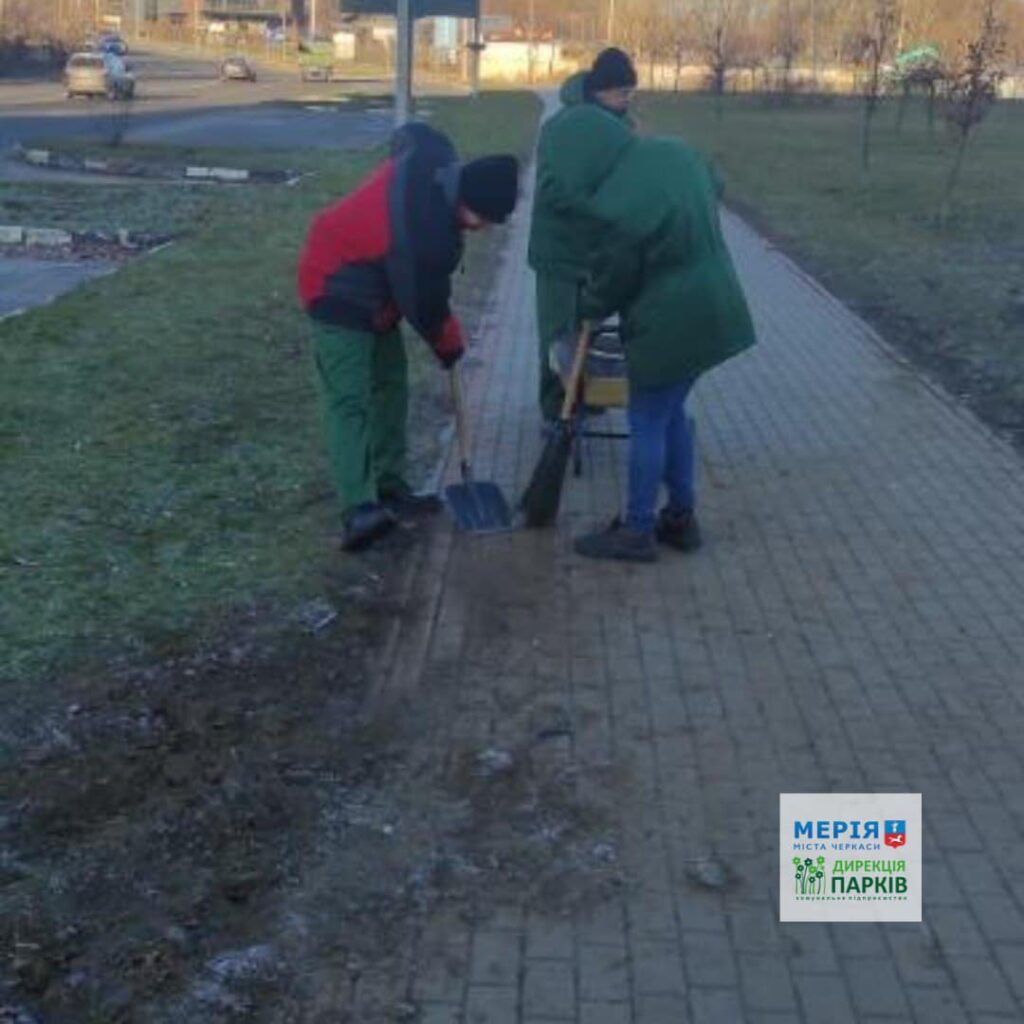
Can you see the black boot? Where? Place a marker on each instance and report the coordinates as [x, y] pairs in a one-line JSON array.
[[365, 524], [618, 542], [679, 531]]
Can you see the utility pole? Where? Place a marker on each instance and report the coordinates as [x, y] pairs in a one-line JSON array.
[[611, 21], [476, 50], [532, 39], [403, 62], [312, 20], [814, 42]]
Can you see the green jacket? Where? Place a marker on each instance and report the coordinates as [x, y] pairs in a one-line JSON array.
[[662, 263], [577, 149]]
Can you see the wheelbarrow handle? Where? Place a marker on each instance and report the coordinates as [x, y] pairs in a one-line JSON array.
[[461, 422]]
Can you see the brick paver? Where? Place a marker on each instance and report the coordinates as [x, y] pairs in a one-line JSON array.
[[854, 622]]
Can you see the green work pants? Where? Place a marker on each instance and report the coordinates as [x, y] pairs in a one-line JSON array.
[[364, 389], [557, 317]]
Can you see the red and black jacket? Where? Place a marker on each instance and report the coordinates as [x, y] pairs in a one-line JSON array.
[[388, 249]]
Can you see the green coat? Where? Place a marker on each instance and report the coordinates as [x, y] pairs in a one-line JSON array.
[[577, 149], [663, 264]]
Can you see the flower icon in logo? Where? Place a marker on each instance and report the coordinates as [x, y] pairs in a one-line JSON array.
[[810, 876]]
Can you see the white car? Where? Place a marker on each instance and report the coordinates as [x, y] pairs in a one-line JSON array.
[[98, 74]]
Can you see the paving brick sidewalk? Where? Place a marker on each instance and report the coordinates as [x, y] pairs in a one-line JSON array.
[[855, 622]]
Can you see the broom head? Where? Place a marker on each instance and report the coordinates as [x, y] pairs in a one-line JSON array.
[[541, 499]]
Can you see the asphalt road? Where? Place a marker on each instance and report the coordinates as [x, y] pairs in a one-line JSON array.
[[26, 282], [180, 100]]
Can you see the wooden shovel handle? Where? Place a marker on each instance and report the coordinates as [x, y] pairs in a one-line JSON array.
[[461, 426], [573, 384]]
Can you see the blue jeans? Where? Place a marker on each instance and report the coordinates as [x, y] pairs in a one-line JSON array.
[[661, 451]]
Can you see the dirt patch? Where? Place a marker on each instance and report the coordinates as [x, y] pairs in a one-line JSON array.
[[211, 838], [85, 251]]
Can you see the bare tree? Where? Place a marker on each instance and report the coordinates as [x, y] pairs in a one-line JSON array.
[[973, 88], [787, 39], [678, 40], [653, 30], [874, 46], [923, 70], [717, 23]]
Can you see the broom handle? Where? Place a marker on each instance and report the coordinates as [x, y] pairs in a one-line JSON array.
[[573, 384], [461, 427]]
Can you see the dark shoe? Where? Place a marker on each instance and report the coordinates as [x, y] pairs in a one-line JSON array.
[[681, 532], [366, 524], [404, 501], [618, 542]]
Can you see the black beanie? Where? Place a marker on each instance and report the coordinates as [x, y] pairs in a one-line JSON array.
[[612, 70], [490, 187]]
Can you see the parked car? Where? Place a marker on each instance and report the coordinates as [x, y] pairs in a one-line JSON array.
[[111, 42], [315, 72], [98, 74], [237, 69]]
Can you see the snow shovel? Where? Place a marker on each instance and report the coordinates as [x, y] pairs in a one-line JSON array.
[[476, 506], [544, 491]]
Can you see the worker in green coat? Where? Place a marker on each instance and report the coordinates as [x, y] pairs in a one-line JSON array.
[[663, 265], [578, 146]]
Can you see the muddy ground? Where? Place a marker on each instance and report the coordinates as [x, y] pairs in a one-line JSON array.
[[231, 835]]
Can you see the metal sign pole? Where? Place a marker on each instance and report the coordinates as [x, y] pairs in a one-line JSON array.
[[476, 51], [403, 63]]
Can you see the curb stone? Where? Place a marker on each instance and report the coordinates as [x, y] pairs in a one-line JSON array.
[[134, 168], [52, 238], [48, 237]]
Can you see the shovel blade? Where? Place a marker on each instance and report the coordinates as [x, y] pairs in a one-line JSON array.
[[478, 507]]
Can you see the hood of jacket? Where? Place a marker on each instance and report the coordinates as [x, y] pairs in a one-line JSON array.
[[574, 90]]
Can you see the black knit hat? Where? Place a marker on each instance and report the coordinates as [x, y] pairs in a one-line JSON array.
[[612, 70], [490, 187]]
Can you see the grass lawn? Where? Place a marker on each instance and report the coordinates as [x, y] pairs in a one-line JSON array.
[[160, 453], [952, 293], [147, 208]]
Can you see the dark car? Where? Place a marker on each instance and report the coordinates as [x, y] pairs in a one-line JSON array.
[[237, 69]]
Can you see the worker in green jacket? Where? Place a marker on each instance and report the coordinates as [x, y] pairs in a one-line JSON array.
[[578, 146], [663, 265]]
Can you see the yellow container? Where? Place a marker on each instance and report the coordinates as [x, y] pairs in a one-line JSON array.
[[604, 370], [606, 392]]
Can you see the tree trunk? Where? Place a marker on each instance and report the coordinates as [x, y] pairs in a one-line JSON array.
[[901, 110], [931, 108], [954, 174], [865, 142]]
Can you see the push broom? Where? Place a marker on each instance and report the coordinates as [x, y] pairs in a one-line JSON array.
[[543, 495]]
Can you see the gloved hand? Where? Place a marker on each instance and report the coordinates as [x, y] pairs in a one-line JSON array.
[[590, 306], [449, 347]]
